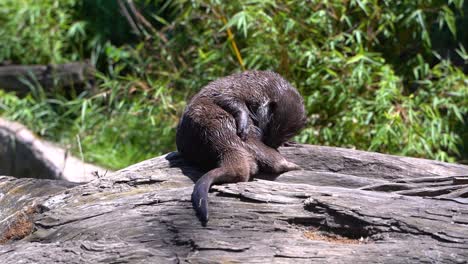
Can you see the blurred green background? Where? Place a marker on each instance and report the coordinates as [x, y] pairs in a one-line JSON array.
[[387, 76]]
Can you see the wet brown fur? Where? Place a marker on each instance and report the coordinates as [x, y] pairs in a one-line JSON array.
[[233, 128]]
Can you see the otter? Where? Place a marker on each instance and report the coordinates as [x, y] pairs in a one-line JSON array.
[[233, 127]]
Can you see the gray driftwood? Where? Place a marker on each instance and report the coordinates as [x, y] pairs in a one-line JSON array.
[[22, 78], [22, 154], [346, 206]]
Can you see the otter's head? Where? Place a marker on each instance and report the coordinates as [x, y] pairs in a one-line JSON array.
[[287, 118]]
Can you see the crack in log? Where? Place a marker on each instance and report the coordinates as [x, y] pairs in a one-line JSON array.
[[190, 243], [296, 257], [149, 203], [221, 249], [432, 192], [307, 221], [367, 229], [158, 201], [179, 241], [457, 200], [50, 226], [432, 178], [135, 183], [387, 187], [340, 223], [6, 252]]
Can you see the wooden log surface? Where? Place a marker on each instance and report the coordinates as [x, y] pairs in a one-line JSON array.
[[345, 206], [22, 78]]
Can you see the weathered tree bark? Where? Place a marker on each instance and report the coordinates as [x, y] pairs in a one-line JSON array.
[[22, 78], [346, 206], [24, 155]]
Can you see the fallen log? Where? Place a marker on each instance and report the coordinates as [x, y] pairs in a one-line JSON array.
[[22, 79], [24, 155], [345, 206]]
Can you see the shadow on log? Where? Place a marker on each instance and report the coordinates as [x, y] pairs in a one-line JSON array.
[[346, 206], [21, 78]]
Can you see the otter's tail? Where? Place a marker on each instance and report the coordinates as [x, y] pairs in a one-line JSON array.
[[200, 193]]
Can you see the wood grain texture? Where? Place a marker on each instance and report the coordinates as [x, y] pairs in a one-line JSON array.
[[346, 206]]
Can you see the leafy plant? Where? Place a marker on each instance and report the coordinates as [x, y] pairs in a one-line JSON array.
[[383, 76], [35, 31]]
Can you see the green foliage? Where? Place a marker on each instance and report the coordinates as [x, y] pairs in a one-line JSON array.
[[385, 76], [35, 31], [113, 130]]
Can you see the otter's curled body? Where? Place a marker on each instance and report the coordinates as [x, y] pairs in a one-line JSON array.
[[233, 128]]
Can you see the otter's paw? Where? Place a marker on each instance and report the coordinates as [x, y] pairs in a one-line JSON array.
[[289, 166]]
